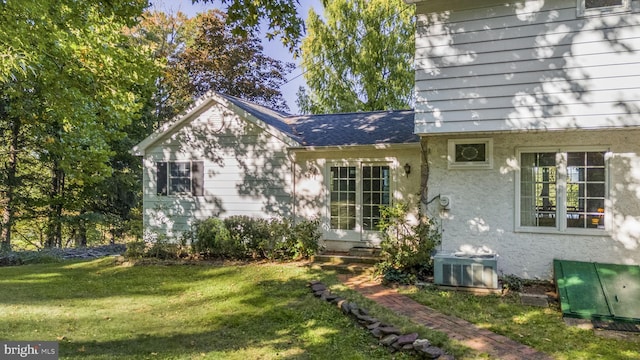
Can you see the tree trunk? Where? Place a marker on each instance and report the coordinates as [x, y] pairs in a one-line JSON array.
[[81, 240], [11, 167], [54, 225]]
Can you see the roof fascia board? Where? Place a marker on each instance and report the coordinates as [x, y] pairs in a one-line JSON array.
[[499, 126], [167, 127], [271, 130], [356, 147]]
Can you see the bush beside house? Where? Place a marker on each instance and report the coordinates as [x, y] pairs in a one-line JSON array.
[[237, 238]]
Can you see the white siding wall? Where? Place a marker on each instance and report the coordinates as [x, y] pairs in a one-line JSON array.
[[482, 214], [246, 172], [525, 65]]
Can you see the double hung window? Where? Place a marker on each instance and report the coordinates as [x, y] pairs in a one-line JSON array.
[[562, 190], [180, 178]]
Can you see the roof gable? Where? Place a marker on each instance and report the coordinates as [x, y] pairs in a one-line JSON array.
[[247, 111], [361, 128]]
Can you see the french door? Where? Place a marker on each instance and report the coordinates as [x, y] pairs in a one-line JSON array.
[[356, 193]]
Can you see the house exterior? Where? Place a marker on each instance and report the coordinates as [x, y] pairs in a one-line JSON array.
[[225, 156], [529, 118]]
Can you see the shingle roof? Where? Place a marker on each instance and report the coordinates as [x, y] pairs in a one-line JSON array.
[[360, 128]]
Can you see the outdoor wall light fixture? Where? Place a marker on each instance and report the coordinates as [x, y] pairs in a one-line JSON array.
[[407, 169]]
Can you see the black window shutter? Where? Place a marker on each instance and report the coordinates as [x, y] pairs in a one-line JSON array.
[[161, 178], [197, 178]]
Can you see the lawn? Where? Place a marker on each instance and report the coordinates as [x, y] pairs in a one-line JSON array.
[[541, 328], [100, 310]]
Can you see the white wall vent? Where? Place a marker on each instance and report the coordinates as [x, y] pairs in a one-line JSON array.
[[468, 270]]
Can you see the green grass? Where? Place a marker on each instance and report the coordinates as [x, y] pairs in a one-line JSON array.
[[541, 328], [99, 310]]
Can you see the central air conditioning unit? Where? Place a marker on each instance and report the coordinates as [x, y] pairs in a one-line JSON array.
[[468, 270]]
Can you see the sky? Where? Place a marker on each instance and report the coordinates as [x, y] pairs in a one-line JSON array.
[[272, 48]]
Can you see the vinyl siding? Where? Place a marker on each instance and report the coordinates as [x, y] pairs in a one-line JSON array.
[[530, 65], [246, 172]]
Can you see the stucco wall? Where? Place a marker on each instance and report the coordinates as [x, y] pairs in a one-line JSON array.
[[247, 171], [482, 214], [312, 198]]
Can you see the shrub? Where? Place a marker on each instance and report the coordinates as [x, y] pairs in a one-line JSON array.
[[136, 250], [250, 233], [212, 239], [238, 237], [162, 249], [512, 283], [304, 239], [406, 248]]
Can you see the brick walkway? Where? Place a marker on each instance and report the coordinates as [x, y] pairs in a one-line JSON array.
[[481, 340]]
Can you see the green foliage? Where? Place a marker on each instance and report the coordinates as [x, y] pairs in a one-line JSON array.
[[358, 56], [135, 250], [71, 83], [406, 249], [512, 283], [242, 238], [13, 258], [304, 239], [245, 17], [250, 232], [213, 239]]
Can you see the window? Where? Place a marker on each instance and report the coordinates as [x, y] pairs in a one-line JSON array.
[[356, 195], [470, 153], [375, 193], [343, 197], [596, 7], [562, 191], [180, 177]]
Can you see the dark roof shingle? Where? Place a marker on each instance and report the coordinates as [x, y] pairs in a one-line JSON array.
[[359, 128]]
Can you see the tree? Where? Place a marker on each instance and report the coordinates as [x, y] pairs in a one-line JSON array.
[[360, 58], [215, 59], [201, 54], [70, 83], [244, 17]]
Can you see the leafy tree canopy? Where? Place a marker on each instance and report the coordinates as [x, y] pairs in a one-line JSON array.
[[360, 58], [281, 16], [201, 54]]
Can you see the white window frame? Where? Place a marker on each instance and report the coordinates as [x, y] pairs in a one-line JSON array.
[[170, 178], [359, 233], [625, 6], [561, 225], [451, 155]]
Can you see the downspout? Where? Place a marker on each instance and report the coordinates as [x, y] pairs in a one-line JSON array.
[[295, 193], [424, 175]]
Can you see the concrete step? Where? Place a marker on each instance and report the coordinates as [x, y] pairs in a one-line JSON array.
[[337, 259], [352, 262]]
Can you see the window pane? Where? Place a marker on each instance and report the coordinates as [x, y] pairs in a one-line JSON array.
[[179, 177], [586, 190], [538, 189], [343, 198], [590, 4], [595, 174], [595, 159], [376, 194]]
